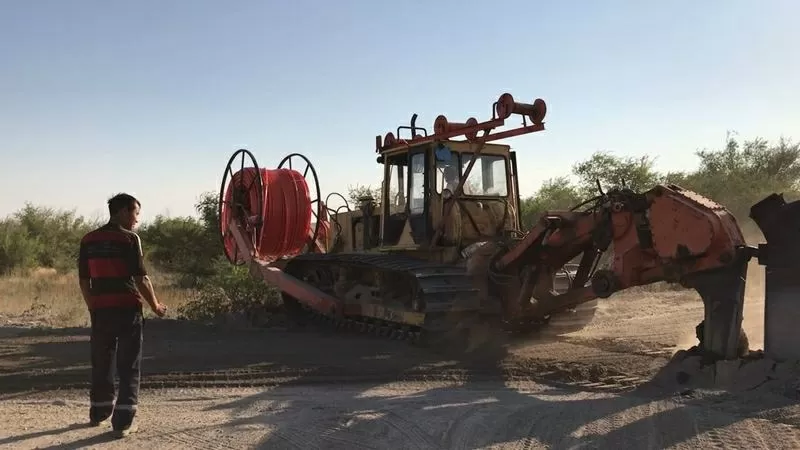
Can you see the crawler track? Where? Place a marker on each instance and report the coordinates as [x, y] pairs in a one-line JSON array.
[[402, 298], [390, 296]]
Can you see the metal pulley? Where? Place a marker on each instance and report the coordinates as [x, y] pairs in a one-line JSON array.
[[506, 106]]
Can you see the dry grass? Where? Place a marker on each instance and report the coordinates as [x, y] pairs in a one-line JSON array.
[[45, 298]]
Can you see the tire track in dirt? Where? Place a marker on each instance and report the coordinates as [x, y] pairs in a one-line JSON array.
[[591, 375], [415, 436], [745, 433], [297, 438], [626, 346], [552, 426], [189, 438], [466, 427], [336, 434]]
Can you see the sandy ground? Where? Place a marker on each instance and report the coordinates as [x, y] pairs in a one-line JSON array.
[[399, 416], [214, 388]]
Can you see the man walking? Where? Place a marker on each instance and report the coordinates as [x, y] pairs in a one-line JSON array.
[[114, 281]]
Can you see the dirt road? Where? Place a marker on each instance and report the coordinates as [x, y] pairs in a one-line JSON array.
[[207, 387]]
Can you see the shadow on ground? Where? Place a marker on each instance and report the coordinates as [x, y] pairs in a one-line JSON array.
[[185, 354], [323, 389], [81, 443], [478, 414]]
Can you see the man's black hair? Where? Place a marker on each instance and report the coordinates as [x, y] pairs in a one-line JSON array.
[[120, 201]]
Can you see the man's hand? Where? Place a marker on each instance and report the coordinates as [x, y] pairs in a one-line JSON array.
[[159, 309]]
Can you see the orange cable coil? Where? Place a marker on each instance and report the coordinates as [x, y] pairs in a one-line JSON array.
[[287, 212]]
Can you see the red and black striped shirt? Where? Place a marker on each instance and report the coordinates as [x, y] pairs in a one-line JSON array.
[[110, 258]]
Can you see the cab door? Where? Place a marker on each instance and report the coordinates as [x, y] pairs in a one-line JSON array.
[[419, 217]]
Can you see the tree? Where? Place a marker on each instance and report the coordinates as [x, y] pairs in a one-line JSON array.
[[355, 193], [208, 209], [756, 159], [736, 176], [739, 175], [614, 171], [555, 193]]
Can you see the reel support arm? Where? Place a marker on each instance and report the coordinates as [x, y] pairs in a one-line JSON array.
[[274, 276]]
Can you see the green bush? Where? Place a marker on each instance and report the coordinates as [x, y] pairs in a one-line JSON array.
[[41, 237], [185, 245], [231, 290], [179, 245]]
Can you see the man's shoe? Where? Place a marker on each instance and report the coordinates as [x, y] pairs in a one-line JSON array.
[[121, 433], [97, 423]]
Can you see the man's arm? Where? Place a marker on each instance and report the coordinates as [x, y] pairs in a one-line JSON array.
[[83, 275], [139, 272], [149, 294]]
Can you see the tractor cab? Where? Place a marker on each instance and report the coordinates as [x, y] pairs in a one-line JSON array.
[[421, 181], [442, 191]]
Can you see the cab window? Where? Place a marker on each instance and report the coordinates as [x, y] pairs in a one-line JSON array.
[[417, 175], [488, 176], [448, 170]]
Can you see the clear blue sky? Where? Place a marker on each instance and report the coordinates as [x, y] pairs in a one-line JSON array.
[[152, 97]]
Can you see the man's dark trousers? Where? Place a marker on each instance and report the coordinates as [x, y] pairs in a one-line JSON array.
[[115, 332]]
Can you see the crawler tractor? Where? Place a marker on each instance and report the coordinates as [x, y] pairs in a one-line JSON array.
[[443, 248]]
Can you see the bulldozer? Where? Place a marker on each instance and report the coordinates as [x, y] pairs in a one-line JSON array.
[[443, 247]]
